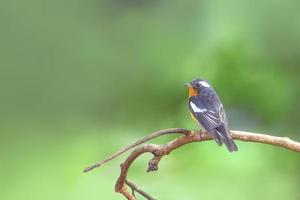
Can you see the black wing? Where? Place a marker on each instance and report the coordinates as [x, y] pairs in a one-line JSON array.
[[208, 110]]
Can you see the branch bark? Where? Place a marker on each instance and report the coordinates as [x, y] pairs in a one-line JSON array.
[[140, 141], [122, 185]]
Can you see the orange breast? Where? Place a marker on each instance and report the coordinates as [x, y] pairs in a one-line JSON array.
[[192, 92]]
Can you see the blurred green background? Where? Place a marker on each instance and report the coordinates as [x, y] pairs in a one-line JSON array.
[[81, 79]]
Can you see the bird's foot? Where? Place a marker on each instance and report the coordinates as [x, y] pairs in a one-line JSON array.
[[195, 132]]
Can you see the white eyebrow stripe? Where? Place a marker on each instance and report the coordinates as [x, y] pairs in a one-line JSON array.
[[204, 84], [196, 109]]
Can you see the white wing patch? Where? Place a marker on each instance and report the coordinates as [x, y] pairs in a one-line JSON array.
[[204, 84], [196, 109]]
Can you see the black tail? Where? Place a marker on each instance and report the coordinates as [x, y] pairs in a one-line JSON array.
[[231, 146], [225, 137], [217, 137]]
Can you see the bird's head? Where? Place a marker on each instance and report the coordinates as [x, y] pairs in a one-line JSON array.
[[196, 86]]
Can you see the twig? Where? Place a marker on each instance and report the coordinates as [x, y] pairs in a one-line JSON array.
[[159, 151], [135, 188], [140, 141]]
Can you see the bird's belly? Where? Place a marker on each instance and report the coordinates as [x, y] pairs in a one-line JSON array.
[[195, 119]]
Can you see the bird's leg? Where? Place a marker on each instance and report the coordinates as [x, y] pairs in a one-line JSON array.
[[195, 132]]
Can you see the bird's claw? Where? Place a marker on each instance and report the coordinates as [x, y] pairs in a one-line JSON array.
[[195, 132]]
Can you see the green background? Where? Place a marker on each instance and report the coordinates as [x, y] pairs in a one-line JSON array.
[[82, 79]]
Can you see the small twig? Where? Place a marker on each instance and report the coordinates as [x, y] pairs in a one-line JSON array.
[[140, 141], [135, 188], [189, 136]]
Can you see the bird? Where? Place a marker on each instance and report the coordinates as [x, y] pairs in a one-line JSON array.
[[207, 110]]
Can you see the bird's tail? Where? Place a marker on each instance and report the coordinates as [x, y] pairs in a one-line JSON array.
[[225, 137], [231, 146]]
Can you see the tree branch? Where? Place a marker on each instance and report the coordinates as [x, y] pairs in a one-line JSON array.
[[159, 151], [140, 141]]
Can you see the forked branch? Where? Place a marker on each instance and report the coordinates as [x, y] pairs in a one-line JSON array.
[[122, 186]]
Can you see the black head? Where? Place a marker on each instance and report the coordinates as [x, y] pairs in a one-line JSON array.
[[196, 86], [198, 83]]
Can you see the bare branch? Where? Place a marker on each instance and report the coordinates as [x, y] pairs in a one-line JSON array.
[[140, 141], [158, 151]]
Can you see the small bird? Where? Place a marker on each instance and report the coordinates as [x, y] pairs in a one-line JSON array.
[[206, 108]]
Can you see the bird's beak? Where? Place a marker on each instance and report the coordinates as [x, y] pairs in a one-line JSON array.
[[188, 85]]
